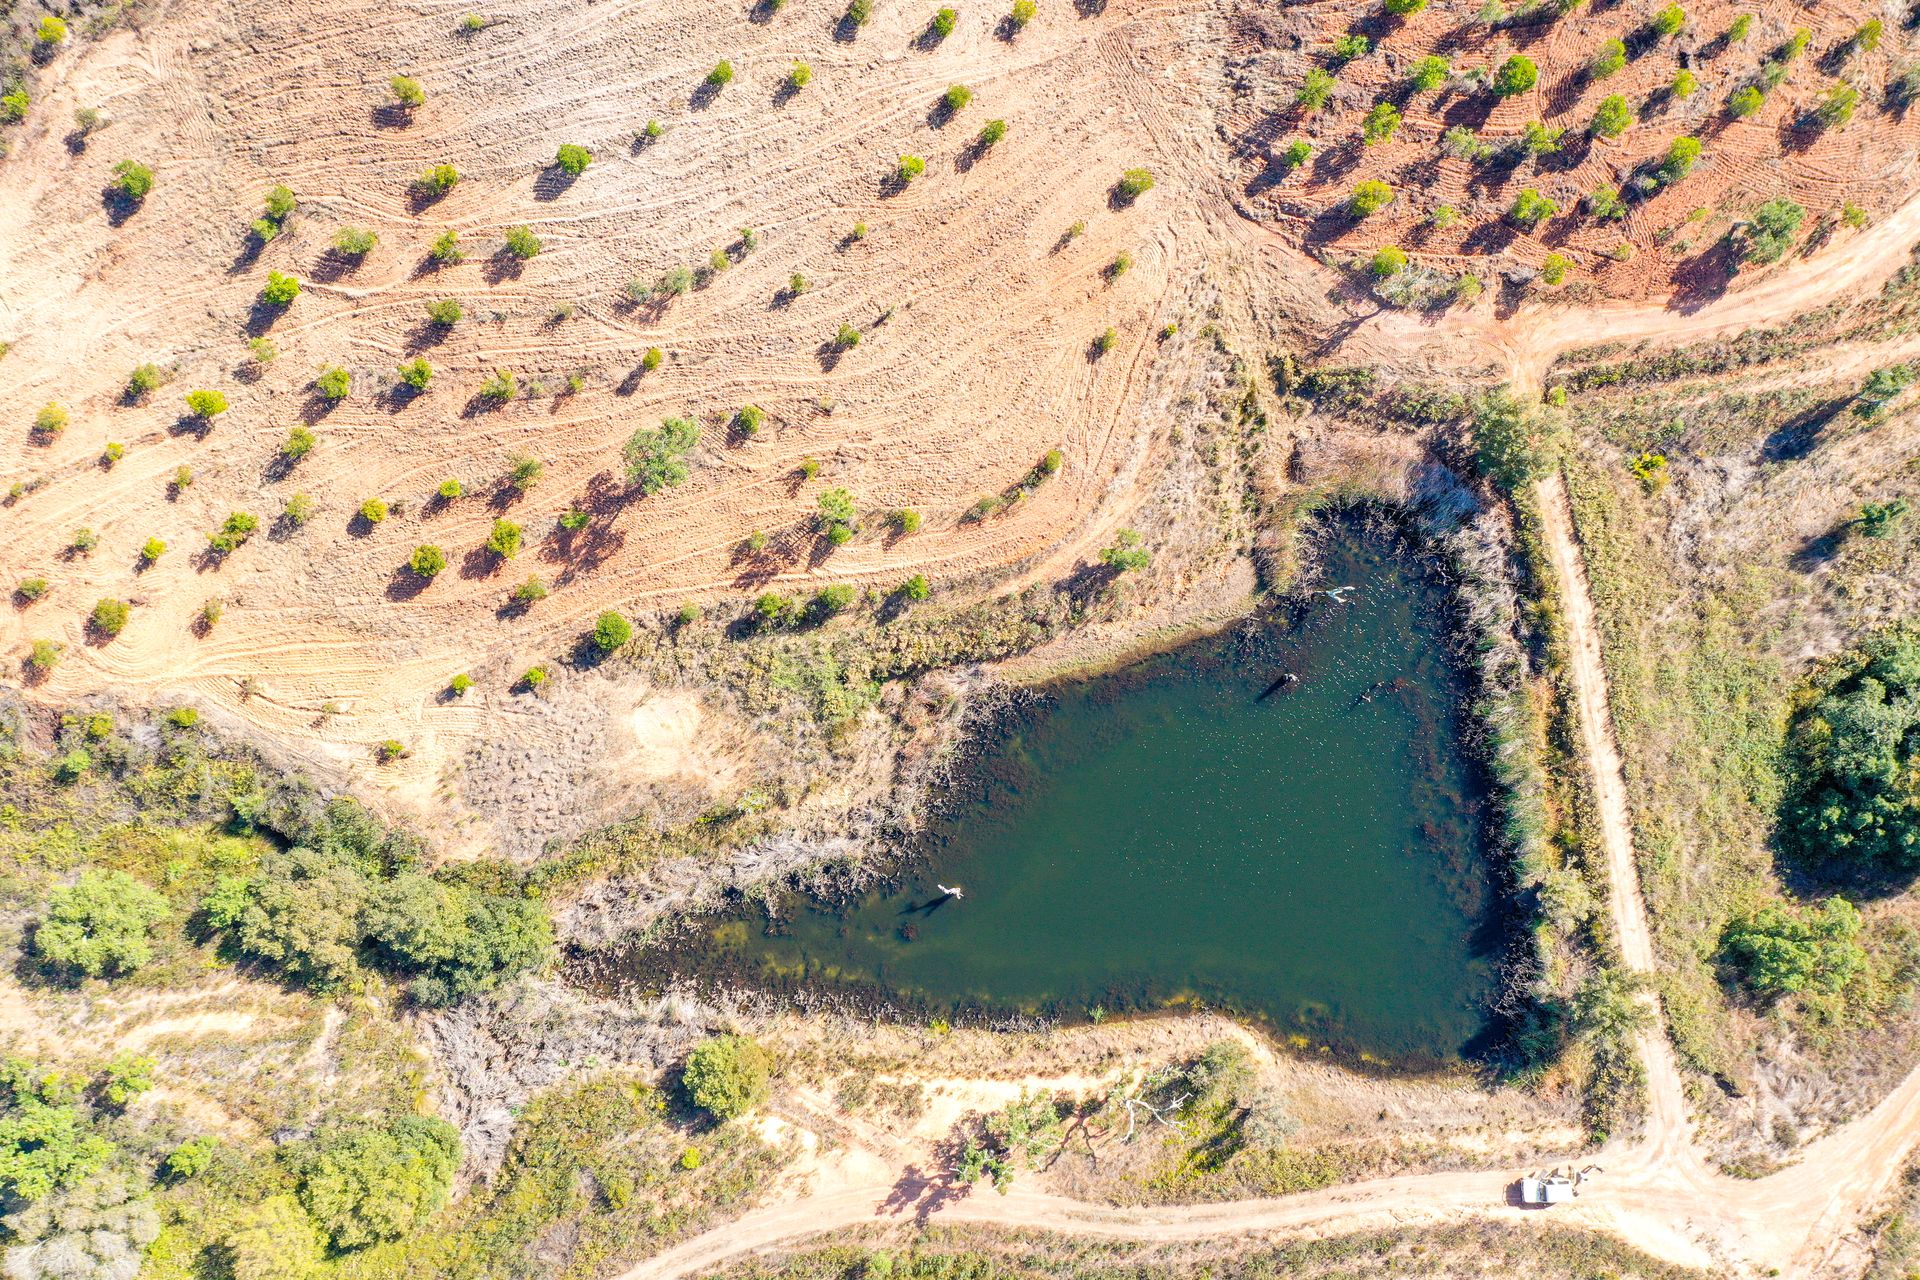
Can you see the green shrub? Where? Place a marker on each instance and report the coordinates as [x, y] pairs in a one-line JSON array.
[[504, 539], [1607, 60], [446, 250], [280, 290], [837, 515], [1402, 8], [444, 312], [1022, 13], [1429, 73], [1877, 519], [263, 350], [722, 74], [1605, 202], [1380, 124], [1744, 101], [907, 520], [728, 1076], [829, 601], [943, 23], [354, 242], [1681, 156], [1107, 341], [956, 97], [1780, 951], [437, 180], [449, 489], [1350, 46], [1133, 184], [651, 361], [1669, 20], [1515, 76], [427, 560], [1612, 117], [800, 76], [373, 510], [407, 91], [30, 589], [847, 337], [131, 179], [1369, 198], [916, 588], [657, 460], [1554, 268], [909, 168], [416, 373], [206, 405], [1738, 29], [1510, 448], [500, 386], [1684, 84], [189, 1160], [1530, 207], [1389, 260], [1125, 553], [1770, 232], [1315, 89], [151, 550], [747, 421], [1797, 43], [459, 685], [610, 631], [522, 243], [1867, 38], [531, 591], [51, 420], [536, 677], [363, 1185], [52, 30], [280, 203], [1296, 153], [1538, 140], [524, 471], [13, 106], [333, 382], [1835, 108], [231, 536], [100, 926], [572, 159], [858, 12], [43, 656], [142, 381], [299, 509]]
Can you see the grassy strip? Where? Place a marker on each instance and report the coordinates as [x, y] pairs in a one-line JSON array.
[[1467, 1249]]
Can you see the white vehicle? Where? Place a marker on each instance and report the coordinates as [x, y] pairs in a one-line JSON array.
[[1546, 1189]]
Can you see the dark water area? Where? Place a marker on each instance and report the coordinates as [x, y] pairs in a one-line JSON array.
[[1193, 829]]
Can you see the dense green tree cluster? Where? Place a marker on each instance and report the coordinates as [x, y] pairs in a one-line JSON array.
[[349, 895], [1853, 754], [366, 1184], [1781, 951]]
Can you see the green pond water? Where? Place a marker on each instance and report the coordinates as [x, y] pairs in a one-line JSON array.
[[1186, 831]]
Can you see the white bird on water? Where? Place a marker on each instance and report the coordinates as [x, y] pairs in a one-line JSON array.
[[951, 893], [1337, 594]]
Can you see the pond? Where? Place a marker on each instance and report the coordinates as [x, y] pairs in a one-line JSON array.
[[1197, 828]]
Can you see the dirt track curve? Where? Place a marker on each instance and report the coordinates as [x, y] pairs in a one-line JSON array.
[[1656, 1191]]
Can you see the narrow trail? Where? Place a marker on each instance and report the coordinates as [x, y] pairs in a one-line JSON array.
[[1657, 1192]]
